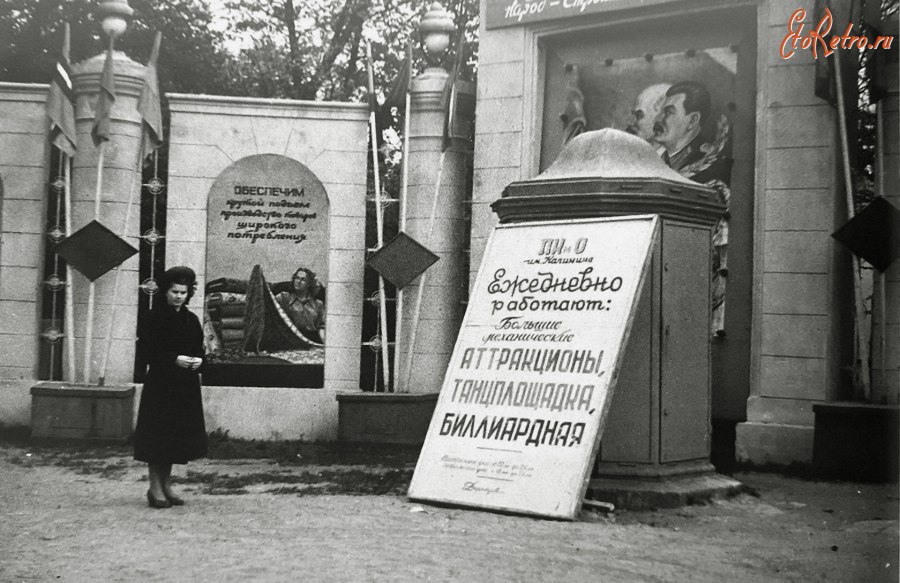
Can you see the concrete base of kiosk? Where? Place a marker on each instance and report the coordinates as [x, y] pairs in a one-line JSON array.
[[665, 492]]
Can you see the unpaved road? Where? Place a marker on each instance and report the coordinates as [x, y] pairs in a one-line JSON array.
[[89, 522]]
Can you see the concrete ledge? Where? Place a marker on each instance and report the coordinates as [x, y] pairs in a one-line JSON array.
[[15, 401], [633, 494], [776, 411], [773, 444], [618, 471], [398, 418], [272, 413], [263, 107], [857, 441], [72, 411]]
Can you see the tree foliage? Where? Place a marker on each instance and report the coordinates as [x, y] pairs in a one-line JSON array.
[[298, 49], [316, 49], [869, 64], [192, 58]]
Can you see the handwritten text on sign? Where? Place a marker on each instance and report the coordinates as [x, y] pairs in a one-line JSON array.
[[524, 397], [266, 210], [501, 13], [255, 215]]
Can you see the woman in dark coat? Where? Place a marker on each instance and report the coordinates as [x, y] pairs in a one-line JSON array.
[[170, 427]]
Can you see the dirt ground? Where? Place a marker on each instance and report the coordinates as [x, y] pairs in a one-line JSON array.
[[316, 513]]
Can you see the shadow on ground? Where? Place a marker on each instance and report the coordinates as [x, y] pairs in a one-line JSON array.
[[279, 467]]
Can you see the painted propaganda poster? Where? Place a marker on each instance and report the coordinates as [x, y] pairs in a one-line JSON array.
[[520, 414], [265, 303], [677, 91]]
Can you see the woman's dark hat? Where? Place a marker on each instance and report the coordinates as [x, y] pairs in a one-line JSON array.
[[180, 273]]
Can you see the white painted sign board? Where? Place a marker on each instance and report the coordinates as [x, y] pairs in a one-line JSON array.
[[520, 414]]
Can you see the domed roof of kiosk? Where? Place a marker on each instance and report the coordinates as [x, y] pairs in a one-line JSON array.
[[607, 173], [610, 153]]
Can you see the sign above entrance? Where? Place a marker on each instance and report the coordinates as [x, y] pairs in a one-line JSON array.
[[502, 13], [519, 417]]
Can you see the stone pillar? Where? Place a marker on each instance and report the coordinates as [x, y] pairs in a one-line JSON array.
[[119, 180], [445, 282], [886, 356], [802, 323]]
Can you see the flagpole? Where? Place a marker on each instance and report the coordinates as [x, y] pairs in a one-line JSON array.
[[861, 352], [89, 325], [417, 310], [880, 276], [379, 222], [404, 189], [115, 306]]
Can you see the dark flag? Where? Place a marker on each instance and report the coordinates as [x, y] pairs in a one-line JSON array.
[[59, 103], [873, 234], [880, 61], [824, 76], [148, 104], [105, 99], [396, 96], [448, 99]]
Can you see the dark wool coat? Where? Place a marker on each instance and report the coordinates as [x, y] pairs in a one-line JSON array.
[[170, 427]]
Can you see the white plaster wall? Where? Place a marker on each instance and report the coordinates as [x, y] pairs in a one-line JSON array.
[[208, 134], [24, 156], [505, 121], [267, 413]]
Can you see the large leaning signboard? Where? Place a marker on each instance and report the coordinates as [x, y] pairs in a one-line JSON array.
[[520, 414]]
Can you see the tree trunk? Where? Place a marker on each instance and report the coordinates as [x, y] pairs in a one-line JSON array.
[[294, 48], [347, 23]]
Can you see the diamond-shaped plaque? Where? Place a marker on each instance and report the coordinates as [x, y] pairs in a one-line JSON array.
[[873, 234], [401, 260], [93, 250]]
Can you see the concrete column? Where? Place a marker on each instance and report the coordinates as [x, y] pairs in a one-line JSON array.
[[886, 356], [802, 323], [119, 180], [445, 282]]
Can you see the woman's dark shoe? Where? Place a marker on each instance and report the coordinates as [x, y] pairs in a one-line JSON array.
[[154, 503], [175, 500]]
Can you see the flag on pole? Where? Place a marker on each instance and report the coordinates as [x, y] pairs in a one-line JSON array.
[[148, 104], [59, 102], [824, 75], [879, 61], [396, 95], [448, 99], [105, 99]]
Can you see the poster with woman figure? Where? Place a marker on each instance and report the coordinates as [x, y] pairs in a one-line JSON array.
[[265, 301]]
